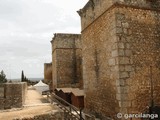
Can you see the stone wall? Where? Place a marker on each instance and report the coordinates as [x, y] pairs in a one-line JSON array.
[[120, 43], [99, 72], [66, 60], [92, 10], [12, 95], [48, 116], [1, 96], [54, 115], [138, 31], [95, 8], [48, 74]]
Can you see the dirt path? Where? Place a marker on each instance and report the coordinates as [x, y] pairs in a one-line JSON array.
[[35, 104], [33, 98]]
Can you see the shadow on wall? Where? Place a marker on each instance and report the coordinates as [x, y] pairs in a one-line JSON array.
[[106, 94]]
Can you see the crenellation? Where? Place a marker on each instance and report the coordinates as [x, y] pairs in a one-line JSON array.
[[61, 40], [94, 9]]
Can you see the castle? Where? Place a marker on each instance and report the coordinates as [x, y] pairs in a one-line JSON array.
[[66, 67], [120, 56]]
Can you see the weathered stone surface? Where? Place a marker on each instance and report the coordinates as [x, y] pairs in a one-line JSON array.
[[1, 91], [48, 74], [1, 103], [94, 9], [123, 60], [99, 85], [123, 74], [66, 60], [14, 95], [123, 33], [128, 68], [49, 116], [112, 61]]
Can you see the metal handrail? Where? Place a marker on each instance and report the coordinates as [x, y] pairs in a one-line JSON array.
[[59, 98], [66, 109], [71, 107]]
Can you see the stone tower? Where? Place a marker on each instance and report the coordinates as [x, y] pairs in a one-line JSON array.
[[121, 55], [48, 74], [66, 60]]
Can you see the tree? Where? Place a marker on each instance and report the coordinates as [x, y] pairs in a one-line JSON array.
[[22, 76], [25, 79], [2, 77]]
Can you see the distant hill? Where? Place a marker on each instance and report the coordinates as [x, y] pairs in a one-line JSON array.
[[17, 79], [31, 79], [35, 79]]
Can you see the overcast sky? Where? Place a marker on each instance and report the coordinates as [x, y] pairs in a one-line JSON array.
[[26, 29]]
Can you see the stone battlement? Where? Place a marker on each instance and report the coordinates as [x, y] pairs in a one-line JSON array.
[[95, 8], [63, 40]]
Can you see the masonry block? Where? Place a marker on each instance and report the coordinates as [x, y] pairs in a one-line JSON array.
[[125, 36]]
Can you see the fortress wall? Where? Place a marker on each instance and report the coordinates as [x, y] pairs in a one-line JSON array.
[[12, 95], [66, 60]]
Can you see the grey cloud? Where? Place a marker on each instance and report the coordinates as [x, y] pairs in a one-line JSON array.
[[26, 29], [24, 49], [10, 6]]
